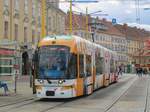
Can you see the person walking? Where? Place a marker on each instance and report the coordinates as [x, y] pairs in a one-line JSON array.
[[4, 85], [120, 70], [140, 72], [137, 71]]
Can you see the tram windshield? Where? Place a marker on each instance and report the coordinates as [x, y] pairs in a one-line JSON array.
[[53, 62]]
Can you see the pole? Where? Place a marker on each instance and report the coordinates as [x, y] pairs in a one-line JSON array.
[[43, 29], [47, 22], [16, 68], [70, 17], [15, 81], [11, 19], [87, 22]]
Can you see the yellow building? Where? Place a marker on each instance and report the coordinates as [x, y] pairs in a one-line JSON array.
[[21, 20], [20, 24], [55, 20]]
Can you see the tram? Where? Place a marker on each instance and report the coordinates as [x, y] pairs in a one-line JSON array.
[[68, 66]]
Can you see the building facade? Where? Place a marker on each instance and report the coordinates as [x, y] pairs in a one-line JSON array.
[[125, 40], [79, 26], [55, 20], [135, 41], [20, 23]]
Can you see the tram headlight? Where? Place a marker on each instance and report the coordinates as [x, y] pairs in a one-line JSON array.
[[40, 81], [60, 81]]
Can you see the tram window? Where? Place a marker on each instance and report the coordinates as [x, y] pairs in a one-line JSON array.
[[72, 69], [99, 65], [88, 65], [81, 66], [112, 66]]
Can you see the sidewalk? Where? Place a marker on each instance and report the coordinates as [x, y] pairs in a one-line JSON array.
[[24, 92]]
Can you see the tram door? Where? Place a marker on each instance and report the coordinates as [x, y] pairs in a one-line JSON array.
[[85, 75], [81, 75], [88, 78]]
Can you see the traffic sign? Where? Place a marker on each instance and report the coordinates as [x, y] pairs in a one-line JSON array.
[[114, 21]]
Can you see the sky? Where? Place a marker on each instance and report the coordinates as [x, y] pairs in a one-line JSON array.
[[124, 11]]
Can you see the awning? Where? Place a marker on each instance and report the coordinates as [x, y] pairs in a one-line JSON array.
[[7, 52]]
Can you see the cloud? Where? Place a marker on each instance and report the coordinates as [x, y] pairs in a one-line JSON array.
[[113, 2], [123, 10], [144, 26], [128, 11]]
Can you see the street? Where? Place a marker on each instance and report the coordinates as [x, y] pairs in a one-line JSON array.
[[130, 94]]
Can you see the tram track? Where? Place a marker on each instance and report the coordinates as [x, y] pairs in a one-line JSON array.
[[108, 108], [50, 108], [17, 102], [147, 97], [118, 98], [30, 102], [145, 109]]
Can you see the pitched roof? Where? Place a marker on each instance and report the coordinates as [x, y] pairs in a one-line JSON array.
[[110, 28], [133, 33], [78, 21], [124, 31]]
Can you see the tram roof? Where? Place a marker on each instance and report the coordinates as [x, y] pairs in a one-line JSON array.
[[77, 38], [65, 37]]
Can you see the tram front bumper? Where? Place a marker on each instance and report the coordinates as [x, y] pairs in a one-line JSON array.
[[55, 92]]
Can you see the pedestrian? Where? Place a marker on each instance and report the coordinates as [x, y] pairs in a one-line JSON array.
[[4, 86], [119, 69], [140, 72], [137, 71]]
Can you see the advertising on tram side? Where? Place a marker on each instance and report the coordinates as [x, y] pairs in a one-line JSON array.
[[69, 66]]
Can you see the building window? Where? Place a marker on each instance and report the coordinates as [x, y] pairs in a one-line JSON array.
[[25, 34], [81, 66], [26, 7], [16, 32], [39, 13], [49, 23], [39, 36], [39, 8], [16, 5], [33, 8], [33, 36], [6, 29], [88, 65], [6, 3]]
